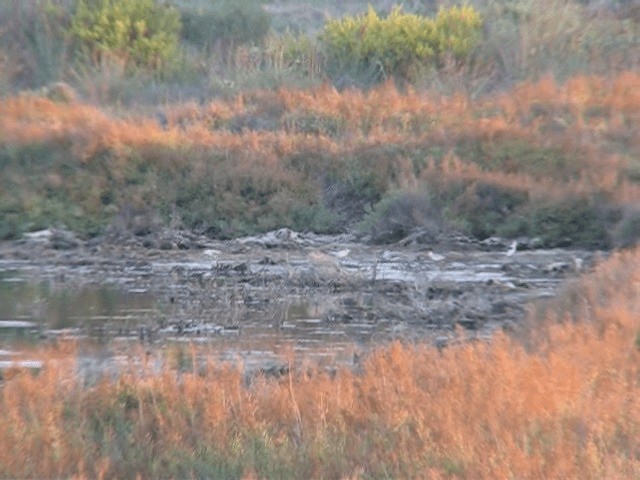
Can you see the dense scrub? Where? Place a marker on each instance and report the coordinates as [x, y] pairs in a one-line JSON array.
[[558, 161], [402, 44], [561, 402], [142, 33], [225, 47]]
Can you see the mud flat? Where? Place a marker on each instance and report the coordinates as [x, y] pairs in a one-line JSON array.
[[251, 299]]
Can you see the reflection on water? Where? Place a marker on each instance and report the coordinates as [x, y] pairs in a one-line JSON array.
[[256, 307], [123, 320], [92, 310]]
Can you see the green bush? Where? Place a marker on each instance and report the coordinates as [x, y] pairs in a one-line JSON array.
[[30, 198], [398, 214], [575, 222], [516, 155], [401, 44], [314, 218], [140, 33], [350, 194], [225, 25], [484, 208]]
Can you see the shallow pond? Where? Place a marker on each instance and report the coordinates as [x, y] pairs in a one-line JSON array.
[[322, 298]]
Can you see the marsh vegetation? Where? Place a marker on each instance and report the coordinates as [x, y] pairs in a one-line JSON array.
[[174, 172]]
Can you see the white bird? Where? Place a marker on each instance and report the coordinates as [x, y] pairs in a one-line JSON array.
[[512, 248], [436, 257], [390, 256], [578, 263], [342, 253]]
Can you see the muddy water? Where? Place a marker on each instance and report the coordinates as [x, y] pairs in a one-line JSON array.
[[256, 300]]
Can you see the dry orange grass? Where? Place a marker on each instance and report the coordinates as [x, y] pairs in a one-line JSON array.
[[593, 120], [564, 407]]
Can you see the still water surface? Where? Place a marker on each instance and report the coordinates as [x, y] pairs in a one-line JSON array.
[[253, 305]]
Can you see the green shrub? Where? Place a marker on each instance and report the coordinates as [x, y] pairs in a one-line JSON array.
[[351, 194], [397, 214], [483, 208], [225, 25], [11, 219], [314, 218], [402, 43], [140, 33], [573, 222], [514, 155]]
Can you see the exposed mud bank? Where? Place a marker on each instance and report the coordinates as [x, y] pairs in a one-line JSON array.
[[252, 297]]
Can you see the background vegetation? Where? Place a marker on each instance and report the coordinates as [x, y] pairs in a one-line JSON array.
[[503, 118], [556, 161], [139, 34], [402, 44]]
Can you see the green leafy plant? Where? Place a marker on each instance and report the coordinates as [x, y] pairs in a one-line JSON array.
[[402, 43], [140, 33], [515, 155], [484, 207], [398, 213], [574, 221]]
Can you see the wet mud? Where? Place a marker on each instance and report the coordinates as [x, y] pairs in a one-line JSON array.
[[251, 299]]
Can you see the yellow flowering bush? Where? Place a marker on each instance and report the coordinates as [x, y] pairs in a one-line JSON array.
[[399, 43], [141, 33]]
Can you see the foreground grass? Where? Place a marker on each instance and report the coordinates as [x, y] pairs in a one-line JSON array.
[[560, 402], [557, 161]]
